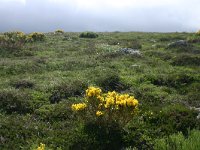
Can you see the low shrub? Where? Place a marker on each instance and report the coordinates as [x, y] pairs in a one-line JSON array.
[[184, 60], [110, 80], [194, 39], [179, 142], [55, 112], [175, 80], [132, 44], [12, 40], [198, 33], [88, 35], [105, 115], [59, 31], [23, 84], [67, 90], [36, 36], [171, 119], [20, 131], [15, 101]]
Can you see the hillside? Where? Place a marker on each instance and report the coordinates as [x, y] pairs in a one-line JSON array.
[[40, 80]]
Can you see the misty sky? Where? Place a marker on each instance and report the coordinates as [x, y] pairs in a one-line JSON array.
[[100, 15]]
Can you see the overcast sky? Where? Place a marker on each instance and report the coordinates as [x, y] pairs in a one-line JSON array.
[[100, 15]]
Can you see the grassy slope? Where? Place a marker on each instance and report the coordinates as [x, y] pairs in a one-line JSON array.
[[159, 77]]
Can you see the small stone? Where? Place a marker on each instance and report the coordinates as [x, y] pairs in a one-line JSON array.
[[130, 51], [180, 43]]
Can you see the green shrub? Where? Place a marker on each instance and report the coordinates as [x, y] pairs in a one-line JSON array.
[[175, 80], [12, 40], [20, 131], [198, 33], [36, 36], [132, 44], [15, 101], [172, 119], [194, 39], [23, 84], [109, 81], [66, 90], [179, 142], [88, 35], [55, 112], [184, 59]]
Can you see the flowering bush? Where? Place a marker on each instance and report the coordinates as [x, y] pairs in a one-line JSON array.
[[107, 107], [59, 31], [36, 36], [12, 40], [198, 33], [41, 147]]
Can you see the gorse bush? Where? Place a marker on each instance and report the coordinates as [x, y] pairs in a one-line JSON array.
[[198, 33], [104, 116], [107, 107], [12, 40], [59, 31], [88, 35], [36, 36], [41, 147]]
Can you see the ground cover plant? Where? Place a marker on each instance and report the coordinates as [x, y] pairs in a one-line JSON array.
[[110, 90]]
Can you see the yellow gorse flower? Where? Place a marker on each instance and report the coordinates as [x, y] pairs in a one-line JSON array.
[[99, 113], [41, 147], [93, 92], [78, 107]]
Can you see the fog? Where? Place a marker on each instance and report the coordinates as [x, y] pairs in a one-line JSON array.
[[100, 15]]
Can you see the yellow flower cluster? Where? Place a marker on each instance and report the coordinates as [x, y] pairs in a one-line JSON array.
[[78, 107], [99, 113], [41, 147], [106, 104], [93, 92], [120, 100]]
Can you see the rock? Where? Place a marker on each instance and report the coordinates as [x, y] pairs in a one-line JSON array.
[[130, 51], [180, 43]]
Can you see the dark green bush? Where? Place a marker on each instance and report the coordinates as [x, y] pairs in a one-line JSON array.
[[23, 84], [109, 81], [88, 35], [66, 90], [172, 119], [184, 59], [56, 112], [175, 80], [15, 101]]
